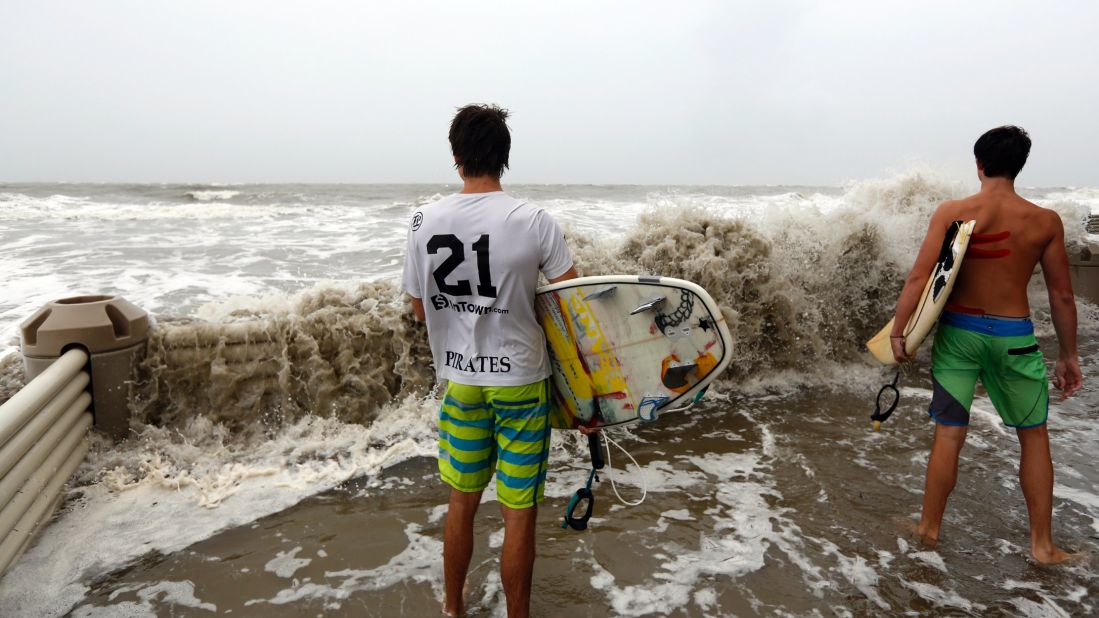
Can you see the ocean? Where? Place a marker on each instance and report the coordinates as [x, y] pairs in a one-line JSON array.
[[281, 456]]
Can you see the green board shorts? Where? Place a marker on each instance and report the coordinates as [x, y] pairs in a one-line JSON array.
[[1004, 354], [501, 428]]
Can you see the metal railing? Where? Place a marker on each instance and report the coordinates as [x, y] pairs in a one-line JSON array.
[[42, 441], [1093, 224]]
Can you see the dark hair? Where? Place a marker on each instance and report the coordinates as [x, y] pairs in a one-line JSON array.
[[480, 140], [1002, 151]]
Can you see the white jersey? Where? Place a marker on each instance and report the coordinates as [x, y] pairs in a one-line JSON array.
[[474, 258]]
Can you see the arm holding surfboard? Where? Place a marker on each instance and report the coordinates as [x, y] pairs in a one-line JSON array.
[[569, 274], [923, 298], [917, 279], [927, 287]]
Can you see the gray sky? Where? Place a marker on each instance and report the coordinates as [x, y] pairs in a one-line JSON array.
[[601, 92]]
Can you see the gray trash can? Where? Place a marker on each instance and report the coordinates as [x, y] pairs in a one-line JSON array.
[[1084, 268], [111, 329]]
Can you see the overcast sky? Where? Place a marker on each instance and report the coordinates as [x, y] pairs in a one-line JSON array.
[[601, 92]]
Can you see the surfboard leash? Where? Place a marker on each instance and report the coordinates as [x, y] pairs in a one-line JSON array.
[[879, 417], [584, 493], [614, 486]]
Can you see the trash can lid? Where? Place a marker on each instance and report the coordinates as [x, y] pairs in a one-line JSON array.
[[98, 323]]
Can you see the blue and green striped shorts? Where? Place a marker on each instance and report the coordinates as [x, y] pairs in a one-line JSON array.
[[482, 428]]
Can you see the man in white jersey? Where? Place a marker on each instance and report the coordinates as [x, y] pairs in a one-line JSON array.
[[472, 270]]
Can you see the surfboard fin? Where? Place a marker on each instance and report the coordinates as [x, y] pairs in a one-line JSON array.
[[650, 304], [604, 293], [649, 405], [675, 376]]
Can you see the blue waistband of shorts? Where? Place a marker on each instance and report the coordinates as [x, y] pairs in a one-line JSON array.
[[988, 325]]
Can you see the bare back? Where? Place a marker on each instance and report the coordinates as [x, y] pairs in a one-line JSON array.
[[1008, 243]]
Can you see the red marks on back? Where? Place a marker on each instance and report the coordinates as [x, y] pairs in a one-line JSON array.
[[984, 239], [980, 239], [956, 308]]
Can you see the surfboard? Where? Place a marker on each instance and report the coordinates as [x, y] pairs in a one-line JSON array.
[[626, 348], [935, 294]]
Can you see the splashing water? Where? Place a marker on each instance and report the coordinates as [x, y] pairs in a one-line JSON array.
[[247, 405]]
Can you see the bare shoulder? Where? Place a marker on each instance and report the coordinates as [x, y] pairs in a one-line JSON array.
[[1046, 222], [1051, 220], [1042, 215], [949, 208]]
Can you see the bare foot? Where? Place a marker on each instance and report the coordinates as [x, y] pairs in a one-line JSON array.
[[460, 612], [911, 528], [929, 539], [1054, 555]]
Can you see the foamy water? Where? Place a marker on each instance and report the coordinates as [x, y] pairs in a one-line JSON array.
[[285, 378]]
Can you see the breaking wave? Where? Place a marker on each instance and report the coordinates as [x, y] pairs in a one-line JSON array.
[[212, 195], [801, 285], [803, 282]]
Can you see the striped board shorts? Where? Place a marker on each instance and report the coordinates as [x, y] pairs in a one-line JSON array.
[[501, 428]]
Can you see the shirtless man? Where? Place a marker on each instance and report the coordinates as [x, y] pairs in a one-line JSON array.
[[986, 332]]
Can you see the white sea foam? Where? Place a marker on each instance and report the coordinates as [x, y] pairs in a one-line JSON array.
[[213, 195], [1088, 197], [285, 564], [1084, 497], [166, 490], [21, 208], [418, 562], [1045, 608], [745, 526], [930, 558], [940, 597], [1011, 584], [179, 594], [858, 572], [496, 539]]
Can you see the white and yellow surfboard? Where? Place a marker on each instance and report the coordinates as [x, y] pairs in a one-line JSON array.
[[933, 299], [625, 348]]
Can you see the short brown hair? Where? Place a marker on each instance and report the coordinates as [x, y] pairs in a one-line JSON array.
[[1002, 151], [480, 140]]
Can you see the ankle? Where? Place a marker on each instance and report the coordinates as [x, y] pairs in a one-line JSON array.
[[927, 531], [1041, 541]]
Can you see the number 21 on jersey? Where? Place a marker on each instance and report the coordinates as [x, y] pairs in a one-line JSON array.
[[457, 256]]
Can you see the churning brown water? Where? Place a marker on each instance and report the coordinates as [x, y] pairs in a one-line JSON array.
[[281, 458]]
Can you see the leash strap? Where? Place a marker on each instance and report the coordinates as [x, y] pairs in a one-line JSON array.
[[584, 494], [879, 417]]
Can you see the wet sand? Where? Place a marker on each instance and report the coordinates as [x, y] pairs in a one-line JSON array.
[[758, 505]]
